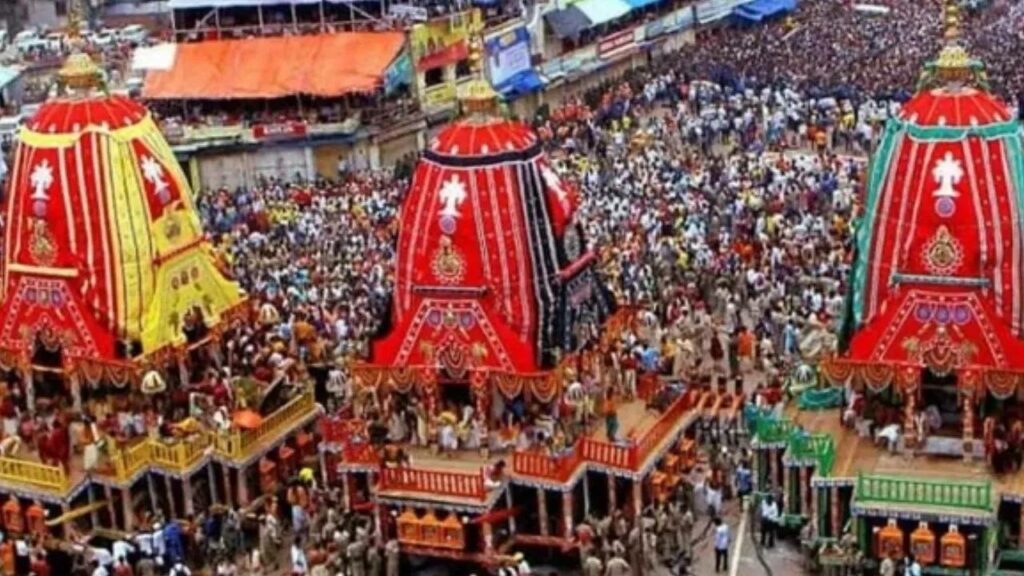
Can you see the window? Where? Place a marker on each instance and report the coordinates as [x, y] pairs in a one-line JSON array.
[[433, 77], [463, 69]]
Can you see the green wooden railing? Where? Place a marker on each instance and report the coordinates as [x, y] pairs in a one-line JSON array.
[[887, 490]]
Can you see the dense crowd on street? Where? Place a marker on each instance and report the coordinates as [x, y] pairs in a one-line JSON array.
[[719, 187]]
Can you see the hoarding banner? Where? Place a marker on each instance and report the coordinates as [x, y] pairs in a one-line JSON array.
[[414, 13], [279, 130], [508, 55], [618, 42], [439, 95], [443, 41], [398, 74]]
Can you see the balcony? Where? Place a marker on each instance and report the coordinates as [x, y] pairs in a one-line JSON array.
[[631, 456], [243, 445], [433, 483], [557, 469], [38, 477]]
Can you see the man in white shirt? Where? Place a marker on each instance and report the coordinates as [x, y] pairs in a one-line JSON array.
[[102, 557], [122, 549], [144, 540], [769, 521], [722, 541]]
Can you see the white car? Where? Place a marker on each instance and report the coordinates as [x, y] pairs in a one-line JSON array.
[[103, 38], [55, 41], [134, 34], [27, 39]]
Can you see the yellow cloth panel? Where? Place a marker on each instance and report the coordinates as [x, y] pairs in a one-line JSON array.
[[206, 287], [128, 214]]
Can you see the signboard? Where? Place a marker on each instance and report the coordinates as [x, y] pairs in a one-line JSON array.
[[279, 130], [615, 43], [414, 13], [398, 74], [443, 41], [438, 96], [610, 46], [508, 55]]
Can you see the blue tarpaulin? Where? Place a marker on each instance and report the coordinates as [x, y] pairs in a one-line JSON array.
[[522, 83], [759, 10]]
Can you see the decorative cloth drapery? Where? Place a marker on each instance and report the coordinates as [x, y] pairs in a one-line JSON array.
[[543, 386], [93, 371], [1002, 384], [875, 376]]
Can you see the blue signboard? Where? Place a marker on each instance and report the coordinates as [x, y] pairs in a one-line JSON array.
[[399, 73], [508, 55]]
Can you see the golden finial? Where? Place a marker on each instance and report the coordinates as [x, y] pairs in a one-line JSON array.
[[79, 72], [951, 17], [477, 96]]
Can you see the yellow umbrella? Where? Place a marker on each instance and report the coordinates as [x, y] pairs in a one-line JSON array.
[[248, 419]]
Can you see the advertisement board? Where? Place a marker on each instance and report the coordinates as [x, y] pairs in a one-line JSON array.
[[508, 55], [414, 13], [279, 130], [398, 74], [618, 42], [443, 41], [439, 95]]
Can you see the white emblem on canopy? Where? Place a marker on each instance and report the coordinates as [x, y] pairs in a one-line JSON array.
[[947, 173], [453, 194]]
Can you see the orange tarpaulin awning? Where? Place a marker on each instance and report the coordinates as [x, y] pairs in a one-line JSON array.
[[322, 65]]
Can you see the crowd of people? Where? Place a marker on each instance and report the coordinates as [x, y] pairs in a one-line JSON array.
[[832, 48]]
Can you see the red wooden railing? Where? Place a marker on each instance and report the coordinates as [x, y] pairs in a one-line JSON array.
[[608, 454], [663, 426], [632, 456], [556, 468], [435, 482]]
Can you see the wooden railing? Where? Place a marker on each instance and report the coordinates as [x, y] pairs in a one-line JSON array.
[[608, 454], [632, 456], [127, 461], [237, 444], [666, 422], [887, 490], [555, 468], [179, 455], [435, 482], [40, 476]]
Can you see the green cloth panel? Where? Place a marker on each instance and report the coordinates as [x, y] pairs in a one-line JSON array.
[[879, 172], [821, 398]]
